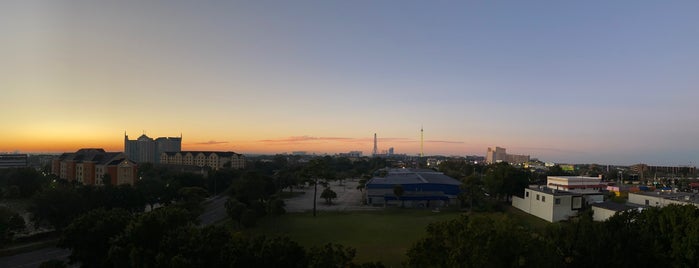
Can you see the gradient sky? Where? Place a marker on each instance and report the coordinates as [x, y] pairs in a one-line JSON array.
[[611, 82]]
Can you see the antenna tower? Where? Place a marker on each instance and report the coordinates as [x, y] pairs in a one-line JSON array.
[[376, 149], [422, 136]]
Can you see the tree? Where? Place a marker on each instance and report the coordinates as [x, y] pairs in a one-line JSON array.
[[481, 241], [56, 207], [88, 236], [235, 210], [254, 186], [189, 246], [10, 223], [504, 180], [331, 255], [328, 194], [471, 191], [398, 191], [141, 241], [317, 170], [245, 251], [151, 189]]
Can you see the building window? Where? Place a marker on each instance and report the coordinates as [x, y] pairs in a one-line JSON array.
[[537, 197], [557, 201], [647, 202], [543, 198], [526, 194]]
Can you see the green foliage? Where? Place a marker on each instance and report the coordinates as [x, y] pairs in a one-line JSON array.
[[139, 244], [667, 236], [88, 236], [189, 246], [249, 218], [459, 169], [331, 255], [254, 186], [10, 223], [472, 193], [21, 182], [53, 264], [151, 189], [479, 241], [504, 180], [275, 207], [328, 194], [264, 252], [235, 210], [56, 207]]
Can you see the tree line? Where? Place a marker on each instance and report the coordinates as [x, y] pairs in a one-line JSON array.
[[667, 237]]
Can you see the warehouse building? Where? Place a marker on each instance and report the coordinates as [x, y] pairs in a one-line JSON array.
[[421, 188]]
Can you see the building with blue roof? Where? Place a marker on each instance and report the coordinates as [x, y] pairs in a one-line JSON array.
[[422, 188]]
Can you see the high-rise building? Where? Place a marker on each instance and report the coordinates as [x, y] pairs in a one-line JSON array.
[[495, 155], [145, 149], [500, 155]]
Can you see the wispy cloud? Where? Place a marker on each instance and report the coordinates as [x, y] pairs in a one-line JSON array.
[[305, 138], [545, 149], [210, 142], [438, 141], [297, 139]]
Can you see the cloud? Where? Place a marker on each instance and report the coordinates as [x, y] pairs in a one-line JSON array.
[[210, 142], [438, 141], [298, 139], [305, 138]]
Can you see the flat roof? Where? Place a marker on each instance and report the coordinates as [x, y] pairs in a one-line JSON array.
[[555, 192], [414, 176], [614, 206]]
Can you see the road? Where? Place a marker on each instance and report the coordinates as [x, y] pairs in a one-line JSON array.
[[34, 258], [214, 211]]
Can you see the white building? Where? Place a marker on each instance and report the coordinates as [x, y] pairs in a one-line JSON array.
[[576, 184], [605, 210], [549, 204], [661, 199]]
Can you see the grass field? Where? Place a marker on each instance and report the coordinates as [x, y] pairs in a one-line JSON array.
[[384, 235], [377, 235]]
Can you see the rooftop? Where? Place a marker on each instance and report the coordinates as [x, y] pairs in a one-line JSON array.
[[614, 206], [414, 176]]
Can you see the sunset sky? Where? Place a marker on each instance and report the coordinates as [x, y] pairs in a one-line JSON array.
[[611, 82]]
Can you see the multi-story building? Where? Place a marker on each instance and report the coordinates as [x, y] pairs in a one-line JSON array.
[[14, 160], [214, 160], [500, 155], [90, 166], [145, 149]]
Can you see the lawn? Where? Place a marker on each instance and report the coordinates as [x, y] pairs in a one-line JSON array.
[[384, 235], [377, 235]]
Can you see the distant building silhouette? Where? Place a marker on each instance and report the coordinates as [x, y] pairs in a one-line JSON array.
[[14, 160], [500, 155], [214, 160], [90, 166], [145, 149]]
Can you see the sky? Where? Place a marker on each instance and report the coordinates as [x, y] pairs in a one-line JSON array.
[[609, 82]]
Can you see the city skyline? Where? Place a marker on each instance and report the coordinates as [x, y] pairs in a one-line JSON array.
[[588, 82]]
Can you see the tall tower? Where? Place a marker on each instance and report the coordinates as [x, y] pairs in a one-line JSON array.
[[376, 149], [422, 136]]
